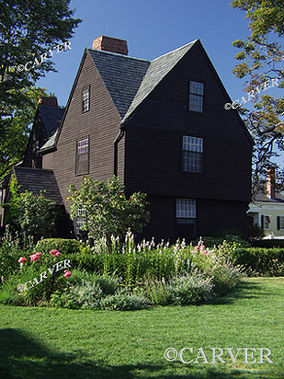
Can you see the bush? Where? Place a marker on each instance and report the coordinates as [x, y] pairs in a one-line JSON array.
[[122, 302], [190, 289], [269, 243], [65, 246], [106, 209], [155, 291], [85, 291], [224, 277], [11, 248], [30, 214], [35, 281], [260, 261]]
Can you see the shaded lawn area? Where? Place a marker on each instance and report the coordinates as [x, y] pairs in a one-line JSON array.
[[59, 343]]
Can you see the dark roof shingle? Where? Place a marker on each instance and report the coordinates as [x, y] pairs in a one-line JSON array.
[[36, 180]]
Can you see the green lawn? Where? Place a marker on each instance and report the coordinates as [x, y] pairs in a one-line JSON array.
[[59, 343]]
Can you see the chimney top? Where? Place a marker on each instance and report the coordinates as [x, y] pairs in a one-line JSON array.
[[270, 184], [50, 101], [114, 45]]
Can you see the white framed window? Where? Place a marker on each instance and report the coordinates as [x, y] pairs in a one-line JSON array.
[[185, 208], [82, 156], [192, 154], [196, 92], [86, 99]]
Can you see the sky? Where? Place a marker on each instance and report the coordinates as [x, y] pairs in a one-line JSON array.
[[152, 28]]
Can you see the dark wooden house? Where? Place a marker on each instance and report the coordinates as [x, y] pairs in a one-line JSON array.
[[162, 128]]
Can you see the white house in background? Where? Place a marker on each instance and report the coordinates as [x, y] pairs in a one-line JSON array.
[[267, 208]]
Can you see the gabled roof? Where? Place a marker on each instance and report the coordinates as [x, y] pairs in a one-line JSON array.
[[122, 76], [36, 180], [158, 69], [130, 80], [51, 117]]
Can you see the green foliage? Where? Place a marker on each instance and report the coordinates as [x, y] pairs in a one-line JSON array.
[[14, 136], [107, 211], [38, 288], [29, 214], [190, 289], [224, 276], [155, 291], [260, 261], [28, 29], [269, 243], [259, 61], [65, 246], [11, 248], [122, 302]]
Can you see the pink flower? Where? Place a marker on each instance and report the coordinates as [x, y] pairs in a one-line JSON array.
[[196, 247], [67, 273], [22, 260], [202, 247], [204, 252], [38, 254], [34, 257], [54, 252], [57, 254]]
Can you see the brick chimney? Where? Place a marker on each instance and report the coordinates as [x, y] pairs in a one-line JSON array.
[[270, 184], [114, 45], [50, 101]]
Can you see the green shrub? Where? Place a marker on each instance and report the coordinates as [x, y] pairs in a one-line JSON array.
[[224, 277], [260, 261], [123, 302], [154, 291], [30, 214], [85, 291], [269, 243], [64, 246], [35, 281], [190, 289], [11, 249]]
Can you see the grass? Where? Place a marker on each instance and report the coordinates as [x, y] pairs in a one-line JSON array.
[[59, 343]]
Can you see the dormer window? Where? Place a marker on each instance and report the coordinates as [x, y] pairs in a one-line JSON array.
[[196, 90], [86, 99]]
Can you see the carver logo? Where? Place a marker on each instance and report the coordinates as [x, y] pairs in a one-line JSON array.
[[51, 270]]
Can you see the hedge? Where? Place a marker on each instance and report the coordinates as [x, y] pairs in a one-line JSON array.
[[269, 243], [65, 246], [260, 261]]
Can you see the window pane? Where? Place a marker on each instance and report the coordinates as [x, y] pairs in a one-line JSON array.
[[193, 144], [185, 208], [192, 162], [195, 103], [82, 157], [281, 222], [196, 87]]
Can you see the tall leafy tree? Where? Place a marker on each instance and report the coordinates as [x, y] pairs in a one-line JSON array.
[[15, 136], [30, 31], [261, 60]]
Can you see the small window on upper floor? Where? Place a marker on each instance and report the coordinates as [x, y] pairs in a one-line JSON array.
[[86, 99], [196, 90], [82, 156]]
